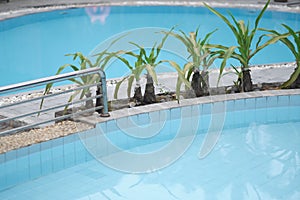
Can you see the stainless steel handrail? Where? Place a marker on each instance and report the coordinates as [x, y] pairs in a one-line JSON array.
[[101, 97]]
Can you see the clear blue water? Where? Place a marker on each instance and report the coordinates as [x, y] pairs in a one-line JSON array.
[[256, 157], [34, 46], [255, 162]]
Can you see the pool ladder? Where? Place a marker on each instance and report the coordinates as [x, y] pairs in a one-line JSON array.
[[26, 112]]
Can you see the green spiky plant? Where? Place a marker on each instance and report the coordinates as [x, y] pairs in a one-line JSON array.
[[84, 63], [145, 61], [238, 82], [244, 37], [201, 58], [135, 75], [294, 80]]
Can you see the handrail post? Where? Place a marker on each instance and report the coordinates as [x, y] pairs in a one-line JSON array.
[[102, 101]]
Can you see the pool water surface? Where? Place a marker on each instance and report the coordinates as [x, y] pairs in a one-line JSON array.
[[256, 162], [255, 157], [33, 46]]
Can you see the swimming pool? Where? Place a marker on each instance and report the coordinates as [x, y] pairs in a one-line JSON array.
[[33, 46], [255, 157]]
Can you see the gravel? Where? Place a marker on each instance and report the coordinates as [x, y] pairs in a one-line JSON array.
[[26, 138]]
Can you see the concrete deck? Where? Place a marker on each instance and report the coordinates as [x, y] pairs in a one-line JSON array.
[[20, 7]]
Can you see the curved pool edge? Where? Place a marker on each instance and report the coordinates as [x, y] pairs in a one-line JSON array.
[[60, 153], [152, 108], [191, 102], [7, 13]]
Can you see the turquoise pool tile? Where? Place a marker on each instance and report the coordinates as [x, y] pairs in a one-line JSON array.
[[249, 117], [57, 147], [101, 127], [271, 115], [69, 154], [272, 102], [35, 148], [175, 126], [294, 113], [23, 158], [260, 102], [239, 104], [143, 119], [90, 142], [250, 104], [165, 115], [22, 152], [206, 109], [80, 152], [261, 115], [23, 164], [283, 100], [164, 133], [155, 116], [196, 110], [10, 155], [240, 118], [219, 107], [230, 120], [2, 177], [175, 113], [2, 172], [294, 100], [283, 114], [131, 119], [23, 175], [69, 139], [10, 171], [204, 121], [186, 112], [134, 142], [58, 142], [186, 123], [35, 166], [111, 126], [89, 156], [57, 164], [57, 154], [195, 117], [2, 158], [46, 145], [230, 107], [46, 161], [120, 138]]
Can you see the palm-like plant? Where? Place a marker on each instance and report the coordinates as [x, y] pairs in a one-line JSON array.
[[136, 72], [84, 63], [244, 37], [146, 62], [102, 60], [294, 80], [201, 58]]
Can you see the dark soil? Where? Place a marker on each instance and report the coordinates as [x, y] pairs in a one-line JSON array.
[[171, 96]]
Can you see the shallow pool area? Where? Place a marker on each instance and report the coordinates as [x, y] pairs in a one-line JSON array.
[[256, 155]]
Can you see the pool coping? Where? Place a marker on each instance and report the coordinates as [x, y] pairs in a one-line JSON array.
[[188, 102], [96, 120], [7, 14]]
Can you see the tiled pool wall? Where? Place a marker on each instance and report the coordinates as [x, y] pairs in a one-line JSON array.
[[21, 165]]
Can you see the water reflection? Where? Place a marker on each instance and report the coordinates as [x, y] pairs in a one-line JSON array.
[[98, 13]]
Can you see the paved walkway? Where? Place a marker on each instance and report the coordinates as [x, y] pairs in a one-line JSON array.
[[21, 4], [20, 7]]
